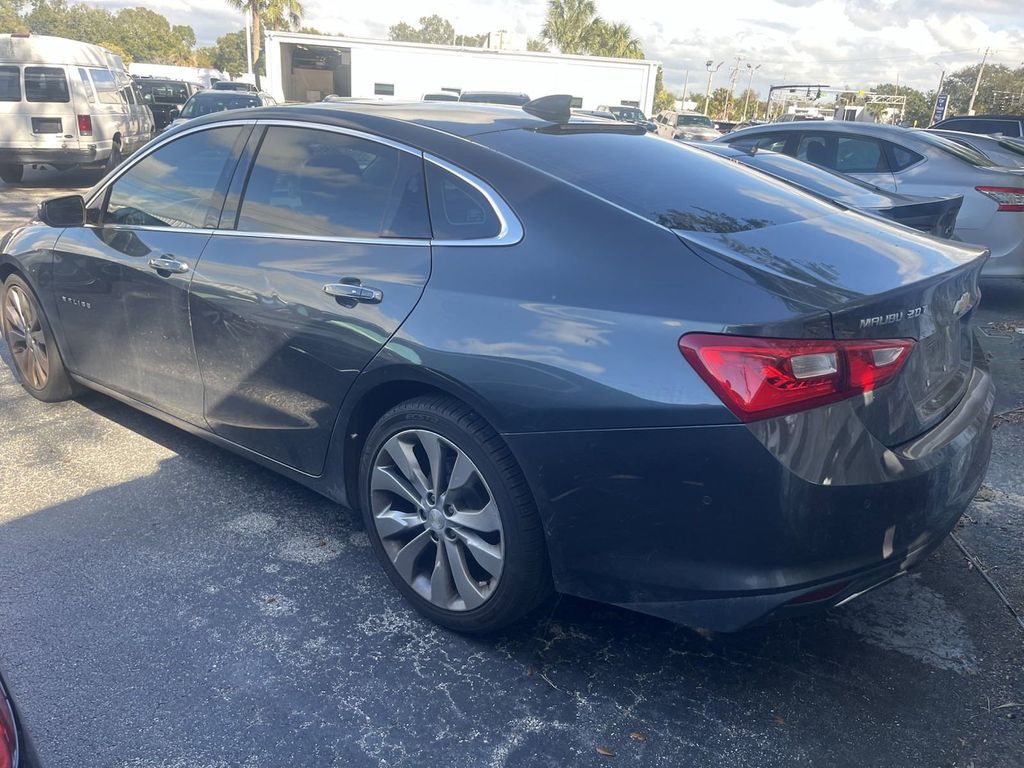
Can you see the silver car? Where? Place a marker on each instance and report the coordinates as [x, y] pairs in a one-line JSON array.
[[687, 126], [1001, 150], [914, 162]]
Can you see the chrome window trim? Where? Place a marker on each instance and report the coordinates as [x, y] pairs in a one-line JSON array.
[[511, 231], [322, 238]]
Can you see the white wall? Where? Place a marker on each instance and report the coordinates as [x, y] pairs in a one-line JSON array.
[[417, 69]]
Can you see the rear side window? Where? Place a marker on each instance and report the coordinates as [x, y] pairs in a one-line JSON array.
[[857, 155], [90, 92], [10, 84], [177, 185], [321, 183], [976, 125], [46, 84], [903, 157], [666, 182], [106, 88], [458, 211]]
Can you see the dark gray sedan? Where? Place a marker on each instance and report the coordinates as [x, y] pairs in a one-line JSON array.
[[537, 352]]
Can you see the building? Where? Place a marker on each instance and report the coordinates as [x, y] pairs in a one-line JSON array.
[[303, 67], [200, 75]]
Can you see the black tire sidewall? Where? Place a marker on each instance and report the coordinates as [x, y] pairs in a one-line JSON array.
[[12, 174], [516, 592]]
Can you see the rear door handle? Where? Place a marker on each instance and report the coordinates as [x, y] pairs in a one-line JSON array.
[[168, 264], [358, 292]]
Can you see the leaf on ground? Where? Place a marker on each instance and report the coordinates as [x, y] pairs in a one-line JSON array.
[[637, 736], [778, 719], [605, 751], [529, 671]]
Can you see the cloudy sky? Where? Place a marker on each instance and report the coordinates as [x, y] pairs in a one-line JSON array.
[[844, 43]]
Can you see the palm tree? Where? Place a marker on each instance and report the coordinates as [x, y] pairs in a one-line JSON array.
[[276, 14], [570, 25], [615, 40]]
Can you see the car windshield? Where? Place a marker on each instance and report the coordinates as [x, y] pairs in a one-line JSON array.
[[208, 103], [166, 93], [628, 113], [511, 99], [967, 154], [224, 85], [702, 121]]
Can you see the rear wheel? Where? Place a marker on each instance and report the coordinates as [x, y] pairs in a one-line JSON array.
[[115, 158], [37, 362], [12, 174], [451, 517]]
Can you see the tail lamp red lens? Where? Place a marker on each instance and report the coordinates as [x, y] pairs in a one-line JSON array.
[[8, 736], [85, 125], [1008, 198], [760, 378]]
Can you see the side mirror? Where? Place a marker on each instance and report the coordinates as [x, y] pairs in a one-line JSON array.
[[148, 98], [174, 113], [63, 212]]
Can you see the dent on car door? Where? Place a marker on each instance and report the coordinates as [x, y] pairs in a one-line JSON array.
[[323, 252], [122, 283]]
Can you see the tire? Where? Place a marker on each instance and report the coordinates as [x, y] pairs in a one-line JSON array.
[[12, 174], [115, 158], [38, 366], [491, 483]]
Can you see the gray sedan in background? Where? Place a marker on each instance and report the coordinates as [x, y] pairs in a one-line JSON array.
[[1005, 151], [914, 162]]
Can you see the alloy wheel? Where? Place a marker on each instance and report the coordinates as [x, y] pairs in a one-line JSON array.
[[437, 519], [25, 338]]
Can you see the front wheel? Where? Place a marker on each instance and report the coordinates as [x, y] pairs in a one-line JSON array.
[[37, 362], [12, 174], [451, 517]]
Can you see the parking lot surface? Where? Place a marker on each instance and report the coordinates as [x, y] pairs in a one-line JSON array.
[[164, 604]]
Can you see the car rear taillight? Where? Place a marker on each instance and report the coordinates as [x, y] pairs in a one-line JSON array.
[[1009, 198], [84, 125], [8, 736], [760, 378]]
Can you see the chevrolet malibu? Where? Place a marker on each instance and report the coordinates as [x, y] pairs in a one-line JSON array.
[[537, 352]]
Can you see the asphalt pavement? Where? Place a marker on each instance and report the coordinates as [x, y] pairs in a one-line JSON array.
[[166, 604]]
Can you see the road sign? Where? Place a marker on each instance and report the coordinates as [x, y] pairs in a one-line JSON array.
[[940, 107]]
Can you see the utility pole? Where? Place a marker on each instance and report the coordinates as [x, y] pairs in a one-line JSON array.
[[750, 81], [248, 42], [732, 87], [977, 83], [686, 83], [711, 74]]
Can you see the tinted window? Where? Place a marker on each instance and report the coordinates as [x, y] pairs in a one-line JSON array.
[[858, 155], [384, 89], [775, 142], [310, 182], [903, 157], [976, 125], [511, 99], [209, 102], [818, 180], [458, 211], [106, 88], [166, 93], [667, 182], [175, 186], [46, 84], [700, 120], [967, 154], [10, 84]]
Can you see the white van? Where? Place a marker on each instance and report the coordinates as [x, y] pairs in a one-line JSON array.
[[65, 103]]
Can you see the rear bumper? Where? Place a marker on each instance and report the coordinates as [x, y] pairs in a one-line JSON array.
[[720, 527], [50, 155]]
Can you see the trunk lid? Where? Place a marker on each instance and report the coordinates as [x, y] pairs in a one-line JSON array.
[[877, 282]]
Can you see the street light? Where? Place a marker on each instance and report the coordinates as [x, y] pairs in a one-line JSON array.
[[711, 74], [750, 81]]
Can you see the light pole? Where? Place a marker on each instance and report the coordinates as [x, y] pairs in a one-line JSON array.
[[977, 83], [732, 88], [750, 81], [711, 73]]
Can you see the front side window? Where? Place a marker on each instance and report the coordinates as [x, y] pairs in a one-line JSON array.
[[321, 183], [106, 88], [10, 84], [46, 84], [177, 185], [458, 211]]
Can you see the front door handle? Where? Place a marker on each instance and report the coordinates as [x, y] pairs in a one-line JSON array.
[[351, 291], [168, 264]]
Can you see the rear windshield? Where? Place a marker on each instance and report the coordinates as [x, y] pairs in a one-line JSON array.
[[10, 84], [702, 120], [166, 93], [48, 84], [664, 181], [211, 102], [967, 154], [628, 113]]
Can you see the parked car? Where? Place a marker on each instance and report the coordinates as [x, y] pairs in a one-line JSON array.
[[914, 162], [441, 96], [934, 215], [631, 115], [532, 351], [1007, 125], [600, 113], [163, 96], [494, 97], [690, 126], [208, 102], [15, 751], [64, 103], [236, 86], [1001, 150], [725, 126]]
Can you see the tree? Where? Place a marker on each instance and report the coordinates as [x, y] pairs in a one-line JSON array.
[[276, 14], [228, 54], [10, 18], [147, 36], [662, 98], [534, 44], [919, 105], [570, 25], [1000, 91], [432, 29], [614, 39]]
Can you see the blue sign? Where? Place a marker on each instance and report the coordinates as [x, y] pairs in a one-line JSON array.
[[940, 107]]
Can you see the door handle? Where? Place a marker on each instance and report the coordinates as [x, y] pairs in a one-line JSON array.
[[358, 292], [168, 264]]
